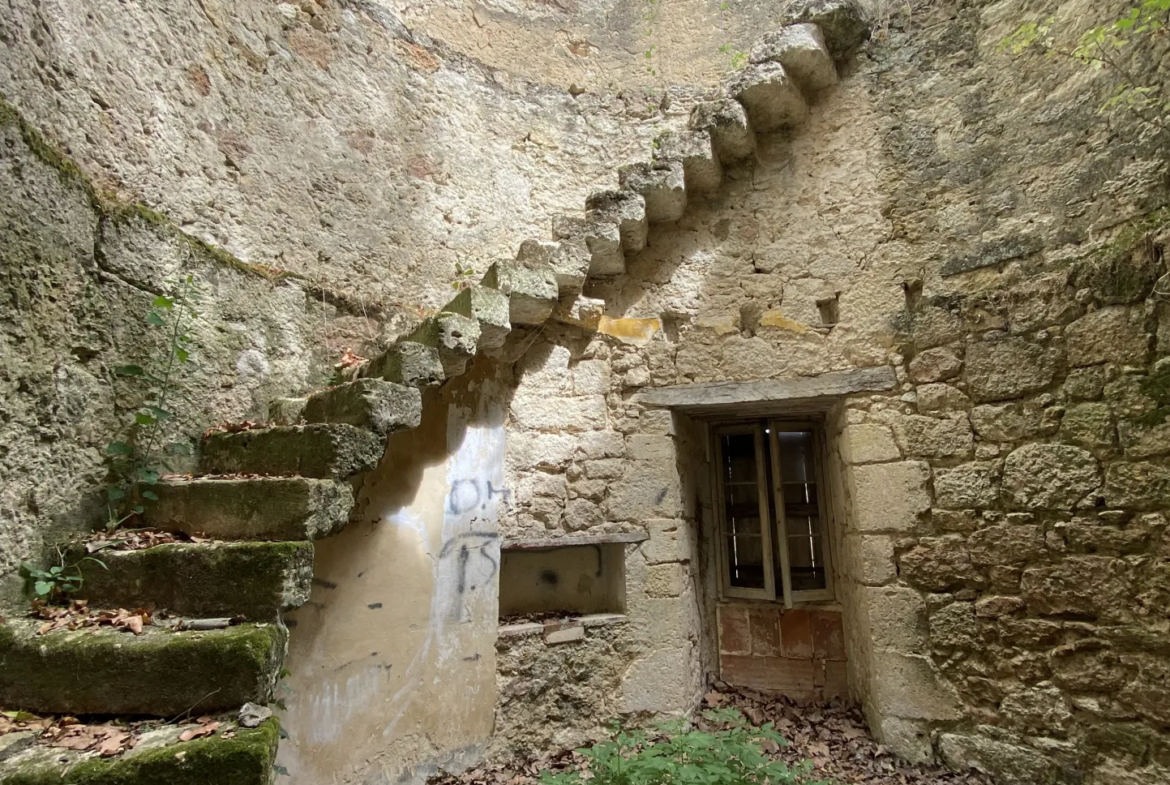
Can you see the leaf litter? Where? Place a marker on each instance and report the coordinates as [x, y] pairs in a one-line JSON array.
[[106, 739]]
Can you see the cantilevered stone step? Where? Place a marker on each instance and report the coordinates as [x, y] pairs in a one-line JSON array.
[[570, 260], [770, 96], [580, 311], [601, 240], [249, 580], [260, 508], [701, 168], [731, 132], [233, 756], [662, 184], [488, 307], [624, 209], [158, 673], [381, 406], [316, 450], [801, 50], [532, 290], [407, 362], [453, 336], [845, 24]]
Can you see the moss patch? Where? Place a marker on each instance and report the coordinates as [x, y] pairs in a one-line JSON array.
[[1126, 270]]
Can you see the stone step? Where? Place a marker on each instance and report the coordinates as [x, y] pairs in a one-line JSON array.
[[845, 24], [702, 171], [159, 673], [580, 311], [769, 95], [454, 337], [234, 755], [407, 362], [601, 242], [570, 260], [318, 450], [727, 122], [254, 508], [801, 50], [532, 290], [488, 307], [624, 209], [250, 580], [286, 411], [662, 184], [382, 407]]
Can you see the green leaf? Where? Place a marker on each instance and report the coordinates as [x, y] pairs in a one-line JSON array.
[[142, 418], [42, 588], [114, 493], [138, 508], [160, 413], [130, 370], [98, 562], [148, 476], [150, 496], [55, 570], [162, 301], [154, 319], [182, 355], [119, 448]]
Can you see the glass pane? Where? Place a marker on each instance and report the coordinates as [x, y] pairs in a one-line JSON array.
[[741, 497], [802, 519]]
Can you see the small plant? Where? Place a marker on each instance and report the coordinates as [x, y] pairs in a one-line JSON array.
[[136, 461], [59, 581], [463, 277], [650, 17], [673, 754], [737, 59]]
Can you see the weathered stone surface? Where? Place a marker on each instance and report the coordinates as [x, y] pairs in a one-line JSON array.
[[1116, 335], [1049, 476], [1140, 440], [532, 290], [383, 407], [1010, 764], [664, 580], [1088, 424], [890, 496], [317, 450], [934, 437], [801, 50], [663, 186], [1082, 585], [551, 413], [907, 685], [941, 398], [896, 618], [845, 23], [158, 673], [731, 132], [953, 626], [934, 365], [455, 337], [580, 311], [771, 98], [702, 171], [704, 396], [939, 564], [1042, 709], [1006, 543], [670, 541], [624, 209], [1009, 422], [869, 558], [1007, 368], [408, 362], [286, 411], [971, 485], [489, 308], [1084, 384], [267, 508], [868, 443], [995, 607], [909, 739], [250, 580], [570, 256]]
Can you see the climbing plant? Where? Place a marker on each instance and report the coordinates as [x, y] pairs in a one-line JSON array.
[[137, 461], [57, 581]]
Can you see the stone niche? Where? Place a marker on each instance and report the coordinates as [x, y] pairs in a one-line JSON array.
[[572, 580]]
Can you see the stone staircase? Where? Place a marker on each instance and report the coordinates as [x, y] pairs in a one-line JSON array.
[[265, 494]]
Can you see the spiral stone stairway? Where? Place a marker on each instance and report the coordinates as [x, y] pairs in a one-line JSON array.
[[265, 494]]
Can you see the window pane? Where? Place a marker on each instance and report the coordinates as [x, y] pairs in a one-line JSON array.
[[806, 541], [741, 497]]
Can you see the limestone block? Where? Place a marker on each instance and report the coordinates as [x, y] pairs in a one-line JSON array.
[[555, 634], [768, 94], [868, 443], [1088, 424], [1049, 476], [941, 398], [536, 252], [934, 437], [1084, 384], [953, 626], [995, 607], [1006, 543], [934, 365], [1040, 709], [596, 251], [569, 259], [801, 50], [532, 290], [580, 311], [286, 411], [889, 496], [624, 209], [664, 580], [731, 132], [454, 337], [591, 377], [582, 514], [1010, 764], [1116, 335], [542, 451], [317, 450], [845, 23], [489, 308], [1009, 422], [1144, 441], [1082, 585], [896, 618], [910, 739], [408, 362], [702, 171], [604, 469], [601, 444], [554, 413], [1008, 368], [659, 682], [643, 493], [939, 564], [969, 485], [651, 447], [869, 558], [907, 686], [662, 184], [383, 407], [670, 541]]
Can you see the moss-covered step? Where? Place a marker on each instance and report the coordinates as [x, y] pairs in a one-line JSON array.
[[158, 673], [256, 508], [250, 580], [244, 757], [322, 450]]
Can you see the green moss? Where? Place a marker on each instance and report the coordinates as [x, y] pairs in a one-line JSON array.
[[245, 759], [1126, 270], [1156, 386], [45, 152]]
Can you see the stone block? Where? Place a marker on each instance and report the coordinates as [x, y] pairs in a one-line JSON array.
[[588, 248], [1008, 368], [158, 673], [580, 311], [1088, 424], [1082, 585], [669, 541], [1115, 335], [662, 184], [537, 252], [603, 444], [591, 377], [543, 451], [828, 631], [664, 580], [909, 739], [582, 514], [764, 630], [896, 618], [934, 365], [934, 437], [249, 580], [953, 626], [624, 209], [995, 607], [1049, 476], [1009, 764], [889, 496], [941, 398], [769, 95], [532, 290], [939, 564], [1084, 384], [317, 450], [908, 686], [553, 413], [662, 681], [702, 172], [869, 559], [645, 493], [1144, 441], [650, 447], [868, 443], [263, 508], [969, 485], [1006, 543], [382, 407], [801, 49], [487, 307], [408, 362], [727, 122], [286, 411], [845, 24], [1009, 422], [454, 337], [555, 634]]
